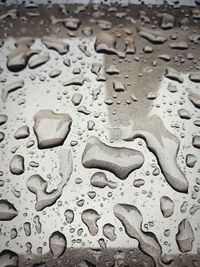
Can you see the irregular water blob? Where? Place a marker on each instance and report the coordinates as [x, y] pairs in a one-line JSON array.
[[70, 23], [37, 185], [67, 62], [12, 13], [195, 76], [196, 123], [90, 218], [165, 57], [56, 44], [194, 98], [163, 144], [83, 48], [69, 215], [11, 87], [182, 45], [194, 209], [13, 233], [152, 95], [148, 49], [121, 161], [184, 114], [30, 143], [83, 110], [138, 183], [7, 210], [17, 165], [75, 81], [96, 92], [173, 74], [8, 258], [166, 206], [3, 119], [2, 136], [106, 43], [90, 125], [196, 141], [76, 99], [28, 248], [154, 36], [185, 236], [54, 73], [99, 179], [87, 31], [96, 69], [167, 22], [118, 86], [172, 88], [27, 228], [22, 132], [39, 60], [38, 225], [104, 24], [51, 128], [18, 58], [112, 69], [184, 207], [57, 244], [109, 231], [91, 194], [191, 160], [132, 219]]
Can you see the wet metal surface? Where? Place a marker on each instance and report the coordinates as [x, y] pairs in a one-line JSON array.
[[99, 135]]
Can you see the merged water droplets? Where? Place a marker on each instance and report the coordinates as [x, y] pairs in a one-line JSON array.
[[99, 179], [37, 185], [10, 88], [165, 147], [18, 58], [57, 44], [132, 219], [90, 218], [119, 160], [109, 231]]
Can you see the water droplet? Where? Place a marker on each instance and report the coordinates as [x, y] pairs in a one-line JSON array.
[[109, 231], [166, 206], [185, 236], [7, 210], [17, 165], [57, 244], [120, 161], [51, 128]]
